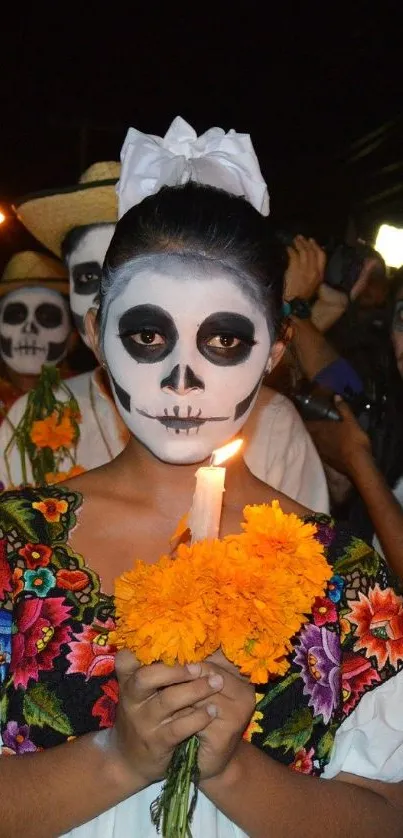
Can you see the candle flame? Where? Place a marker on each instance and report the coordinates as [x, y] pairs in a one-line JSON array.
[[222, 454]]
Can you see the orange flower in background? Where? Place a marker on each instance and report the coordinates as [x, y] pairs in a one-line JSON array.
[[51, 509], [53, 432], [60, 476]]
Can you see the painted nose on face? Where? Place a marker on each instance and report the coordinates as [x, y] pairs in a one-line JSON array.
[[181, 380], [30, 328]]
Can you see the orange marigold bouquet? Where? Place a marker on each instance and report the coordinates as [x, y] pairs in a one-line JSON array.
[[248, 594]]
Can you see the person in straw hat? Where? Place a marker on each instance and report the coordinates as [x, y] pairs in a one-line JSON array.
[[77, 223], [35, 323]]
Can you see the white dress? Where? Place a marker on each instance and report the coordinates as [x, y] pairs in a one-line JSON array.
[[369, 744]]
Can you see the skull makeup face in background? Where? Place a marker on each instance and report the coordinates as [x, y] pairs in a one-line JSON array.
[[84, 251], [186, 352], [34, 329]]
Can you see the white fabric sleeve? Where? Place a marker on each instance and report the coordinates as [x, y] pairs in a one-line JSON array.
[[13, 416], [370, 742], [280, 452]]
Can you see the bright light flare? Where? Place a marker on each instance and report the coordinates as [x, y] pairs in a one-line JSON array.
[[2, 217], [221, 455], [389, 243]]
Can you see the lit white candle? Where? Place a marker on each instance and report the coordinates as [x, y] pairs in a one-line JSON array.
[[205, 514]]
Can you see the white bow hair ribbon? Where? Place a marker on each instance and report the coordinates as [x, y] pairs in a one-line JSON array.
[[227, 161]]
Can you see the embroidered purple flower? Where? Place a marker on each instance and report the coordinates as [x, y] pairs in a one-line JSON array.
[[39, 581], [16, 738], [318, 655], [335, 587], [325, 534]]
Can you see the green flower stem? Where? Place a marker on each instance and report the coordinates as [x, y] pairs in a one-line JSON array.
[[172, 807]]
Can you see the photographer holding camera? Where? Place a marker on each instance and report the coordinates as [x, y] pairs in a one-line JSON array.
[[361, 466]]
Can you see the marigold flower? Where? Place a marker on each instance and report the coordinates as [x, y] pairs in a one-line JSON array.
[[248, 594], [61, 476], [53, 432]]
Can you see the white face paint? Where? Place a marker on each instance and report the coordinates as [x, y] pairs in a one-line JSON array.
[[34, 329], [84, 265], [186, 357]]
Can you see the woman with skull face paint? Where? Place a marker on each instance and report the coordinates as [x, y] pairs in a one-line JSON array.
[[35, 322], [189, 314]]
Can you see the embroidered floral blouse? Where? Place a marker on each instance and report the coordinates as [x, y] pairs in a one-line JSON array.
[[57, 664]]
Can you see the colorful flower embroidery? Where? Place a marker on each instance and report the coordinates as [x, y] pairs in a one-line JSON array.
[[303, 761], [5, 575], [51, 509], [324, 611], [325, 534], [41, 633], [5, 642], [35, 555], [105, 706], [90, 653], [335, 588], [39, 581], [357, 674], [379, 625], [57, 659], [254, 726], [72, 580], [18, 582], [318, 655], [17, 738]]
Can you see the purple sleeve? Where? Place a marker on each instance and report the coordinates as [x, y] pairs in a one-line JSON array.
[[340, 376]]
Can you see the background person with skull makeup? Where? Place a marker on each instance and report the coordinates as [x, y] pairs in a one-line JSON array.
[[35, 324], [77, 224], [192, 288]]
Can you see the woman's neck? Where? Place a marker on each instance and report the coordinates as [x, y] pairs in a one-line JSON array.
[[139, 476]]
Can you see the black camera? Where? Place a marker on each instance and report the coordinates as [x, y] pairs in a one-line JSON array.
[[344, 262], [315, 404]]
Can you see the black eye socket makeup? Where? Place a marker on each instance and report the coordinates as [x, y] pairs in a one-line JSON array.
[[237, 334], [86, 277], [147, 319], [397, 324]]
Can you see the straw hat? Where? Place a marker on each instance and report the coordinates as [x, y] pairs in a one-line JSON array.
[[49, 216], [27, 269]]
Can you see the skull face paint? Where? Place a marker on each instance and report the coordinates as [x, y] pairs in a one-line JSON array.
[[186, 356], [34, 329], [84, 263]]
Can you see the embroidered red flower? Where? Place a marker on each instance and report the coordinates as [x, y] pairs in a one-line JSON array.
[[41, 633], [51, 509], [105, 705], [324, 611], [91, 654], [18, 582], [379, 625], [72, 580], [357, 673], [35, 555], [5, 572], [303, 762]]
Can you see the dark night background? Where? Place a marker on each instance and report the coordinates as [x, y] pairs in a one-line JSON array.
[[317, 85]]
